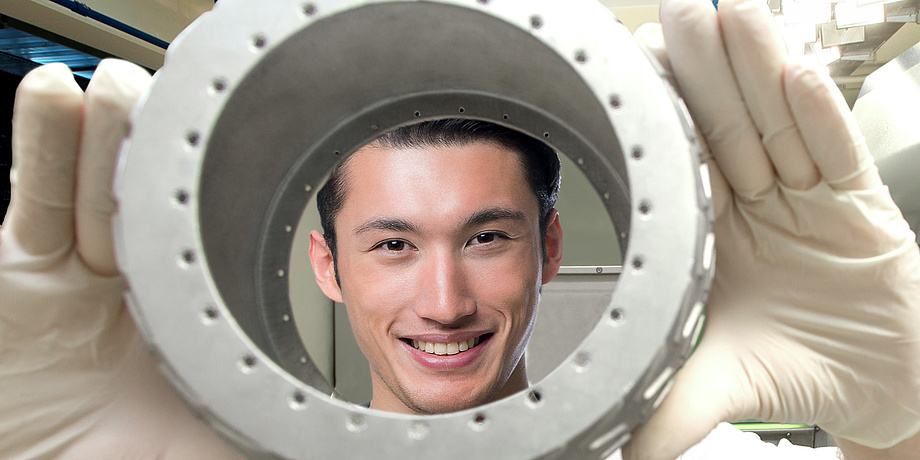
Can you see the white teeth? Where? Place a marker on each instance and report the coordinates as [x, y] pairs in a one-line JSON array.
[[445, 348]]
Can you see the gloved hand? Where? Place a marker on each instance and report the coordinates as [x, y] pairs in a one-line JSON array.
[[75, 378], [814, 314]]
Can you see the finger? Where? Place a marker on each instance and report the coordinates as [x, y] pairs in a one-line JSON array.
[[47, 116], [650, 38], [702, 70], [110, 97], [829, 129], [758, 56]]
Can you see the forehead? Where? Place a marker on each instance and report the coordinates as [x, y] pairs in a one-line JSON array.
[[433, 182]]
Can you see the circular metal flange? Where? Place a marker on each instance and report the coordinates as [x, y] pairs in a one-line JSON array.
[[256, 103]]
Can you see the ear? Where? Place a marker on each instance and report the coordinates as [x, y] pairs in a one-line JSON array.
[[324, 267], [553, 248]]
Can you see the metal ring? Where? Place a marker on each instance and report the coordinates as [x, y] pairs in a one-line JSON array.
[[258, 100]]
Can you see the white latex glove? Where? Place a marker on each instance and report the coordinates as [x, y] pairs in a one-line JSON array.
[[814, 315], [75, 378]]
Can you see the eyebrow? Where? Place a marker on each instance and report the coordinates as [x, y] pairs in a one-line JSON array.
[[384, 223], [494, 214], [481, 217]]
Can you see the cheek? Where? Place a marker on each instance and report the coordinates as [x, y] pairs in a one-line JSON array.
[[511, 286]]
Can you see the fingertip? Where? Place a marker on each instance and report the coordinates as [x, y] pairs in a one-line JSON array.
[[650, 38], [50, 81], [119, 83]]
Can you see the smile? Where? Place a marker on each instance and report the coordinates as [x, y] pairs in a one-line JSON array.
[[442, 349]]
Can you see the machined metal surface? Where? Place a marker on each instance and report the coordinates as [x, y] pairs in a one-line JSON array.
[[259, 100]]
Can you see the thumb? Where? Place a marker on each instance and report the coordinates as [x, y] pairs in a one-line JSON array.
[[650, 38], [702, 393]]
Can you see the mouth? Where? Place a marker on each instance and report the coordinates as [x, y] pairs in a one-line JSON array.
[[447, 349]]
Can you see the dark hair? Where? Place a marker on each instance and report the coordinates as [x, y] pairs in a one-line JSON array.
[[540, 162]]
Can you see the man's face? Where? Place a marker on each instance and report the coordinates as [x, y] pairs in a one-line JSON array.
[[440, 261]]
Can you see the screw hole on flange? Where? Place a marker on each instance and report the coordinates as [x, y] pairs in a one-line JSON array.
[[218, 85], [638, 263], [546, 135], [615, 101], [645, 207], [418, 114], [536, 22], [247, 363], [210, 314], [479, 422], [461, 110], [308, 9], [534, 398], [192, 138], [337, 153], [298, 401], [581, 57], [505, 116], [617, 316], [581, 361], [188, 257], [637, 153], [182, 197], [258, 41], [356, 423]]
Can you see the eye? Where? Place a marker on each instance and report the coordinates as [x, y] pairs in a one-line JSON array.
[[394, 245], [483, 238]]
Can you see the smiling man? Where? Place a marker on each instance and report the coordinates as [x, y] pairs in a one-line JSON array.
[[437, 238]]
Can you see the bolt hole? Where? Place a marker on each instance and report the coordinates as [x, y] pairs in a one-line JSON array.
[[536, 22], [505, 116], [638, 263], [534, 398], [219, 85], [259, 41], [210, 314], [479, 419], [182, 197], [617, 316], [615, 101], [418, 114], [581, 57], [637, 153], [188, 256], [247, 363], [581, 361], [546, 135], [461, 110], [192, 138], [298, 400], [645, 207], [337, 153], [356, 423], [309, 9]]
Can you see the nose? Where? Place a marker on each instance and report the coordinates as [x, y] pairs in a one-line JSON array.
[[444, 294]]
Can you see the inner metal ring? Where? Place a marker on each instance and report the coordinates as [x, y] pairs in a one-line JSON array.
[[259, 100]]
